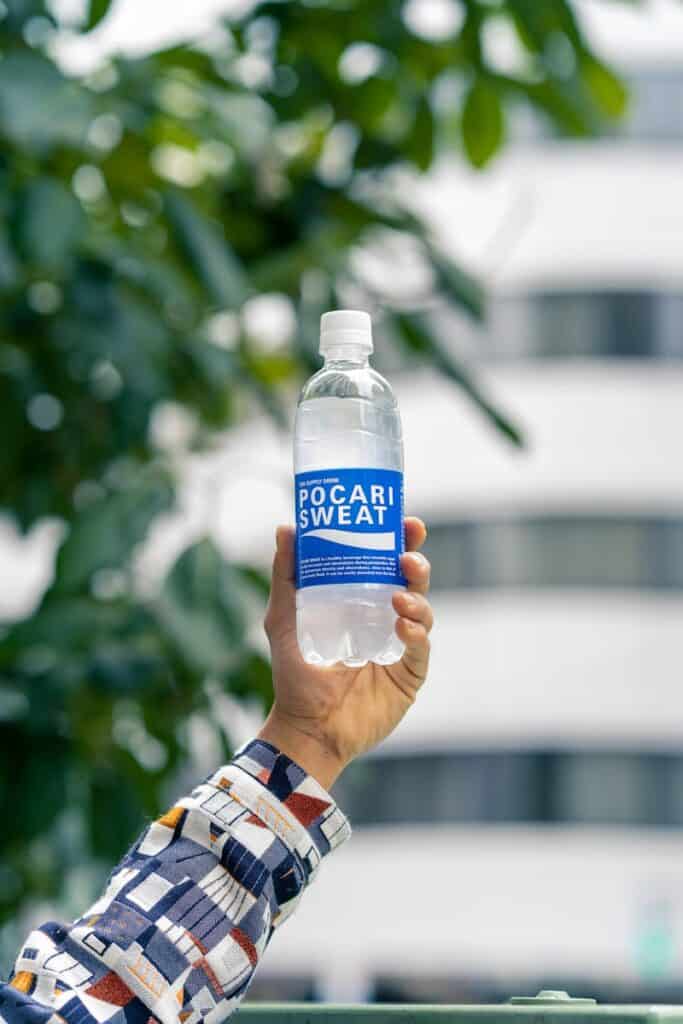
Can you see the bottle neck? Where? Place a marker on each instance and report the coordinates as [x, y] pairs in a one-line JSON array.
[[346, 354]]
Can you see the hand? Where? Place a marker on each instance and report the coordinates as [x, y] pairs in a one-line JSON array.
[[323, 717]]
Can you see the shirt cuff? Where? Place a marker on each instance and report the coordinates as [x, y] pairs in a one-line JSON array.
[[291, 803]]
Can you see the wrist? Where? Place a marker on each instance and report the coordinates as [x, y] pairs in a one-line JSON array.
[[318, 758]]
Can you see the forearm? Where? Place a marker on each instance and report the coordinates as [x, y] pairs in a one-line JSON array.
[[187, 914]]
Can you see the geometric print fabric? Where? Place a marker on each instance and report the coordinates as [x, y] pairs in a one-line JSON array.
[[186, 915]]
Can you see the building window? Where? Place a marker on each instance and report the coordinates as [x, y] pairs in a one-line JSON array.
[[656, 105], [570, 787], [599, 324], [558, 551]]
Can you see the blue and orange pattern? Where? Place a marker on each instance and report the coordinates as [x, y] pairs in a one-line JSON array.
[[187, 914]]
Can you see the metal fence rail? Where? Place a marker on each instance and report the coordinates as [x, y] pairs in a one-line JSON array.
[[546, 1008]]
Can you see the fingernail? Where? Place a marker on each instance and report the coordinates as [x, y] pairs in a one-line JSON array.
[[420, 558], [410, 601]]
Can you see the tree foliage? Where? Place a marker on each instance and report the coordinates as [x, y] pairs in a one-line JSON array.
[[140, 207]]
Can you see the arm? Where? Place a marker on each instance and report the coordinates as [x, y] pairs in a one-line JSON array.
[[187, 914]]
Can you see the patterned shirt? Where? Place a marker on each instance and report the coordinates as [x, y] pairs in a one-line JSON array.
[[187, 914]]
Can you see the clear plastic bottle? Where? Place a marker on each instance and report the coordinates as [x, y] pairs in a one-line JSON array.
[[348, 463]]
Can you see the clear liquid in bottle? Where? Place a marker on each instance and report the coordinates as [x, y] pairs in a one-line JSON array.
[[348, 462]]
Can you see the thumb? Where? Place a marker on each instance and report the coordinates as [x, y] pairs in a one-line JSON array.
[[282, 602]]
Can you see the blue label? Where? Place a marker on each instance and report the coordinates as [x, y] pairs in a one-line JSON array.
[[349, 527]]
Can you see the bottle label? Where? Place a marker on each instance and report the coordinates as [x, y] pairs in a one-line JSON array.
[[349, 527]]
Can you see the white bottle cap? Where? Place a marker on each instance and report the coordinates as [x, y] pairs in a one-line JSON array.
[[344, 327]]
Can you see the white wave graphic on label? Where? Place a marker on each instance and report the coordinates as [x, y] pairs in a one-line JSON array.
[[367, 541]]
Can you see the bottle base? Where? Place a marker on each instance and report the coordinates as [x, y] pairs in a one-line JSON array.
[[357, 628], [386, 657]]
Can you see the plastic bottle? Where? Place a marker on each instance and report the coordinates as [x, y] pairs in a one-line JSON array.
[[348, 463]]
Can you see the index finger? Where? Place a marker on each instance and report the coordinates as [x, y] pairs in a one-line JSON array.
[[416, 533]]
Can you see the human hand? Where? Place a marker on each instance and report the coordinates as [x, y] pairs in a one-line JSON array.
[[323, 717]]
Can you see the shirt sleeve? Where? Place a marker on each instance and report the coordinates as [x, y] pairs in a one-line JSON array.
[[185, 918]]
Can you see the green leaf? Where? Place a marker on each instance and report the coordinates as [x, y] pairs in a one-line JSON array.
[[205, 377], [64, 625], [457, 284], [252, 679], [105, 533], [537, 22], [115, 814], [419, 146], [213, 261], [201, 609], [607, 91], [117, 667], [48, 225], [24, 760], [483, 123], [255, 578], [97, 11], [8, 262], [568, 23], [418, 338], [564, 105], [39, 106], [371, 102]]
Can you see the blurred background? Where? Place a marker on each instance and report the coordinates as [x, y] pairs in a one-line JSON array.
[[182, 192]]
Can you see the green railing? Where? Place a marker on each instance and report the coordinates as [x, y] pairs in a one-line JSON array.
[[545, 1008]]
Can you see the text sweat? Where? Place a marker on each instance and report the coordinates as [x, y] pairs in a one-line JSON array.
[[327, 502]]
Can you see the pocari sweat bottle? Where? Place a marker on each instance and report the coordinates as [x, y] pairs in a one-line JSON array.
[[348, 464]]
